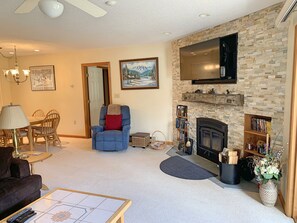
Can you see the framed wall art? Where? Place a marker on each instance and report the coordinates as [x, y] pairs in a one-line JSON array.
[[43, 78], [139, 73]]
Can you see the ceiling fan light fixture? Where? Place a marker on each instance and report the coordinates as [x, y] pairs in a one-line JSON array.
[[111, 2], [51, 8]]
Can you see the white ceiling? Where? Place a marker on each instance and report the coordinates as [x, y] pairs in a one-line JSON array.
[[128, 22]]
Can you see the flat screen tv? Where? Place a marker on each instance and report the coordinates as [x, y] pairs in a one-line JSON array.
[[212, 61]]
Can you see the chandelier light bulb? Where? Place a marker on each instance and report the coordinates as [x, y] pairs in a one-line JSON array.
[[14, 72], [26, 72]]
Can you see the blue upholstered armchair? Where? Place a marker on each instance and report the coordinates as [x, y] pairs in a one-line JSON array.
[[111, 140]]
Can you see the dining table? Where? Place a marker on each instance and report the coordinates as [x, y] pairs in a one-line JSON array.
[[33, 121]]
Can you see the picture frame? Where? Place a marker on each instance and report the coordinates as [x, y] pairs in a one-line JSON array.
[[140, 73], [43, 78]]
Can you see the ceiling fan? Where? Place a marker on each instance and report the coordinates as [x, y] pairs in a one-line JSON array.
[[54, 9]]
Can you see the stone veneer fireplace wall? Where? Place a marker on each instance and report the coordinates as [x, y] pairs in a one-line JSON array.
[[261, 75]]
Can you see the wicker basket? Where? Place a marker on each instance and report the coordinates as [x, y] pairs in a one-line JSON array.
[[158, 145]]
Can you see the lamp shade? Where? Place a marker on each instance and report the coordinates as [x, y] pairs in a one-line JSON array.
[[13, 117], [51, 8]]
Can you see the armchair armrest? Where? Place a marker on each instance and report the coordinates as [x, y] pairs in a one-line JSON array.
[[97, 128], [19, 168], [126, 128]]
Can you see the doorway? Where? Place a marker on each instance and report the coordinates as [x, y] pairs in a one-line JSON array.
[[96, 92]]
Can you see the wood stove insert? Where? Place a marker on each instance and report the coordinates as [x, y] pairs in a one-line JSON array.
[[212, 138]]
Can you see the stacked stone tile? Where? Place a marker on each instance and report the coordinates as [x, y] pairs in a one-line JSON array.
[[261, 75]]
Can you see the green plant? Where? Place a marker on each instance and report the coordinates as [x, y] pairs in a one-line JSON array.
[[269, 168]]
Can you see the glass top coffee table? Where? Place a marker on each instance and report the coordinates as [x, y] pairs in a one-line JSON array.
[[63, 205]]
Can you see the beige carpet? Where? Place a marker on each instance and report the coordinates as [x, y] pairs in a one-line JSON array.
[[156, 197]]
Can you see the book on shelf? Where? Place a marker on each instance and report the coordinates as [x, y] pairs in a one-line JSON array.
[[180, 123], [177, 123], [260, 125], [183, 123]]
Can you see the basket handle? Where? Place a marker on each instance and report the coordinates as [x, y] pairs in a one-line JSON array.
[[158, 131]]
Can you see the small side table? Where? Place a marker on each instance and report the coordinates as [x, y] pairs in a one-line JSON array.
[[141, 139], [34, 157]]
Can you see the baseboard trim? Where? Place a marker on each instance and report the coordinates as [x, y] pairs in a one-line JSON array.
[[73, 136]]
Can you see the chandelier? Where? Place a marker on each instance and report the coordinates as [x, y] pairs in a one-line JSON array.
[[15, 74]]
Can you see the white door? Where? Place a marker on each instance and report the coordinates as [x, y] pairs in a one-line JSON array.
[[96, 93]]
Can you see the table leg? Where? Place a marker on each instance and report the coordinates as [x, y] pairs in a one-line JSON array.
[[31, 168], [44, 187], [121, 219], [30, 137]]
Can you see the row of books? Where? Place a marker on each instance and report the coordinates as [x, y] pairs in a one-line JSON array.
[[260, 125], [181, 123]]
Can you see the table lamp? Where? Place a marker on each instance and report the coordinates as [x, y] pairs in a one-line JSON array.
[[12, 117]]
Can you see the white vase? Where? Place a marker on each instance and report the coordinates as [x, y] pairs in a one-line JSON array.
[[268, 193]]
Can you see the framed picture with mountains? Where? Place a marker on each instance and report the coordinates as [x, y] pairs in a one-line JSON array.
[[139, 73]]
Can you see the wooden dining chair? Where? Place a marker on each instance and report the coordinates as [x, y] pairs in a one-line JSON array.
[[52, 111], [48, 129], [2, 138], [38, 113], [8, 136]]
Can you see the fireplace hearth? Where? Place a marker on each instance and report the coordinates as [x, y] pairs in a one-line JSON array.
[[212, 137]]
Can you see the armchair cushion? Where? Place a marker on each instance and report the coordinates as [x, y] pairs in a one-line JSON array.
[[113, 122], [5, 161]]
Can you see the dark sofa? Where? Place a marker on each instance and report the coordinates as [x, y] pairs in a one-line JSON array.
[[17, 187]]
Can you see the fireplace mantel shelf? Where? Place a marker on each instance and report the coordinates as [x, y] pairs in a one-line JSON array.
[[219, 99]]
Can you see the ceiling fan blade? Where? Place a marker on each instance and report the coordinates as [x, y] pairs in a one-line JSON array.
[[27, 6], [88, 7]]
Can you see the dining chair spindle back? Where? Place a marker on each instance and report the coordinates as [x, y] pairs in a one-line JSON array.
[[48, 129]]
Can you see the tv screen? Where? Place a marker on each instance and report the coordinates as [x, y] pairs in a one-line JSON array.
[[212, 61], [200, 61]]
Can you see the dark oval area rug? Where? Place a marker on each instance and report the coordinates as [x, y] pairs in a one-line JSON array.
[[181, 168]]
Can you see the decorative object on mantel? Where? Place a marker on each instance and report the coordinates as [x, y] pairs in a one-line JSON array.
[[268, 170], [139, 73], [227, 91], [220, 99], [15, 71], [199, 91], [43, 78], [211, 91]]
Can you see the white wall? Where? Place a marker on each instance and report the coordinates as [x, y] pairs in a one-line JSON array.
[[5, 90], [150, 109]]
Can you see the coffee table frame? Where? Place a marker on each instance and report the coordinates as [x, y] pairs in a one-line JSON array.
[[117, 217]]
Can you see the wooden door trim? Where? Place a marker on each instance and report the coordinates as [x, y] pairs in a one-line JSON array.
[[86, 91], [291, 189]]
